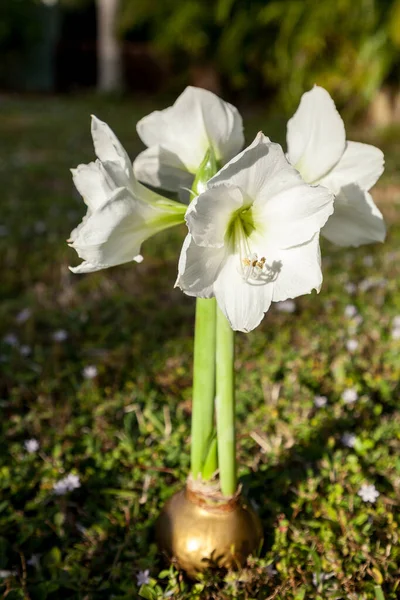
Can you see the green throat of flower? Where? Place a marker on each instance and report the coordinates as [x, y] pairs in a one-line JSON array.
[[238, 237]]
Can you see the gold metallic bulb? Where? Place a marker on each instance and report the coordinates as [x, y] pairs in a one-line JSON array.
[[199, 535]]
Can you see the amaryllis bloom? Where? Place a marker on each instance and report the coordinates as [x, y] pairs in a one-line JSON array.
[[122, 213], [179, 136], [317, 147], [253, 235]]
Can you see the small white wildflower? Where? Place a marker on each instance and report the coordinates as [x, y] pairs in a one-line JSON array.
[[319, 578], [81, 528], [350, 311], [142, 578], [287, 306], [138, 258], [350, 288], [354, 324], [25, 350], [368, 260], [396, 333], [269, 569], [23, 316], [34, 561], [11, 339], [320, 401], [396, 321], [349, 439], [366, 284], [350, 396], [351, 345], [67, 484], [60, 335], [4, 573], [368, 492], [90, 372], [31, 446], [60, 487]]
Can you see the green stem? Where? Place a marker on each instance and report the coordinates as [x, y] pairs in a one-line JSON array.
[[210, 464], [203, 383], [225, 405]]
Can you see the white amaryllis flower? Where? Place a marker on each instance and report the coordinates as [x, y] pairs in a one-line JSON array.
[[253, 235], [179, 137], [122, 212], [317, 147]]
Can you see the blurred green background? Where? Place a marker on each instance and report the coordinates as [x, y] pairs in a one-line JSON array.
[[269, 50]]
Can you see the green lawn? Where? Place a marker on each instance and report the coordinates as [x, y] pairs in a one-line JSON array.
[[125, 432]]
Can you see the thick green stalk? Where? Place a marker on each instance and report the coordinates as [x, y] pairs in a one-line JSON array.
[[203, 383], [210, 464], [225, 405], [203, 456]]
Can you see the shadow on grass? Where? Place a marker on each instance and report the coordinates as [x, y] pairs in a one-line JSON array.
[[274, 488]]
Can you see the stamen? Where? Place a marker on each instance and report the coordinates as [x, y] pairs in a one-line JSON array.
[[253, 267]]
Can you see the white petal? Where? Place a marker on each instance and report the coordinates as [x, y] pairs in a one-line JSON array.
[[223, 124], [107, 236], [356, 219], [75, 232], [114, 158], [197, 120], [91, 184], [161, 168], [362, 164], [113, 234], [286, 210], [209, 215], [243, 303], [252, 168], [198, 268], [106, 144], [87, 267], [316, 136], [291, 211], [298, 270]]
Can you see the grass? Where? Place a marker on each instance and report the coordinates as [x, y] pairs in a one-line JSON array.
[[125, 432]]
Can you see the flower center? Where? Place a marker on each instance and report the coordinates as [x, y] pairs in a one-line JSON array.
[[252, 267], [240, 231]]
